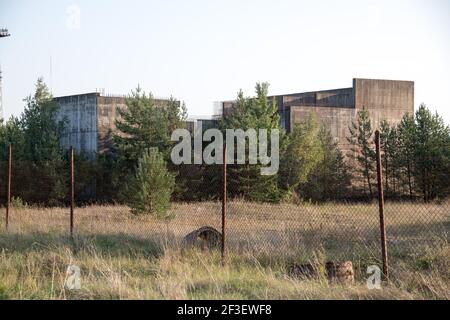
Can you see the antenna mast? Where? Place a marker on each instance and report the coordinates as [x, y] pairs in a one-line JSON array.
[[3, 33]]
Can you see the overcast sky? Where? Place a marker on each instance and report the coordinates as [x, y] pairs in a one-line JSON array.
[[205, 51]]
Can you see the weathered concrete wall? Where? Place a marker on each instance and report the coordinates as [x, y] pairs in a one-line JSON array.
[[327, 98], [337, 98], [107, 115], [91, 120], [384, 99], [337, 109], [335, 119], [329, 106], [80, 114]]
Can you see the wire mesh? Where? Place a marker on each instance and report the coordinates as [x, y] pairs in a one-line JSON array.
[[340, 230]]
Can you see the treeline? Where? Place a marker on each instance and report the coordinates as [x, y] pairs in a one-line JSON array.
[[311, 165], [415, 155], [40, 164], [138, 170]]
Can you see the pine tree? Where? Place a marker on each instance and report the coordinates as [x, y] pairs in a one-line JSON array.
[[144, 124], [150, 190], [432, 154], [406, 145], [361, 137], [389, 143], [42, 150], [303, 153], [384, 144], [392, 150], [253, 113], [330, 179]]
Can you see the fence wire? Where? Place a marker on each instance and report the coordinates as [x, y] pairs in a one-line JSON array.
[[341, 230]]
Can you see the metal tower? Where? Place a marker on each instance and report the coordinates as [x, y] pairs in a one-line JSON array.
[[3, 33]]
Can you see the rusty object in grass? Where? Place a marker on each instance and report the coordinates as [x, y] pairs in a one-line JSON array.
[[304, 271], [340, 272], [204, 238]]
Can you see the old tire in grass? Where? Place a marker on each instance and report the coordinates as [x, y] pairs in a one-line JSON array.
[[340, 273], [204, 238]]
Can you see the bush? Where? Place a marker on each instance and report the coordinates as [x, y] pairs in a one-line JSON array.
[[18, 203], [151, 187]]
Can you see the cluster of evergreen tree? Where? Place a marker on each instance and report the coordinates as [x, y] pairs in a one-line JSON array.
[[138, 170], [39, 161], [311, 165], [415, 155]]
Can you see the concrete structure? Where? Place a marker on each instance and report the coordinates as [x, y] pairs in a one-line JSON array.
[[90, 120], [91, 117], [336, 109]]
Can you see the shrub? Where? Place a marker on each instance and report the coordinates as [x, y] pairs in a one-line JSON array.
[[151, 187], [18, 203]]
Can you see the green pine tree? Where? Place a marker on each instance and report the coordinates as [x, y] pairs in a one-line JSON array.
[[150, 190], [330, 179], [406, 149], [253, 113], [302, 154], [432, 154], [46, 159], [361, 137], [144, 124]]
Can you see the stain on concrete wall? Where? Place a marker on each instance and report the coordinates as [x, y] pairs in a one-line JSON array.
[[107, 115], [80, 115], [384, 99]]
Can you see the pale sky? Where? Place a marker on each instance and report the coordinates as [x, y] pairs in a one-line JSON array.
[[205, 51]]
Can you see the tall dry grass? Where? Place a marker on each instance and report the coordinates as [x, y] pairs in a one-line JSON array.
[[340, 229], [127, 257]]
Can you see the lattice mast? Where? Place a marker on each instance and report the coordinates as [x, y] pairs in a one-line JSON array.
[[3, 34]]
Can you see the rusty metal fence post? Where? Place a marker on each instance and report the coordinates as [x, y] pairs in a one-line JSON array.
[[224, 202], [8, 186], [381, 205], [72, 189]]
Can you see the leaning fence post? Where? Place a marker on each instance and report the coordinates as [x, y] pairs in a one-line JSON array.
[[381, 205], [72, 190], [224, 200], [8, 186]]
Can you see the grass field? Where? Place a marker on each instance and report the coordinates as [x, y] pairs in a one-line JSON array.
[[127, 257]]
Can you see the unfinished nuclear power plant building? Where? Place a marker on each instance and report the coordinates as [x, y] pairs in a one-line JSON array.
[[91, 120], [336, 109], [91, 117]]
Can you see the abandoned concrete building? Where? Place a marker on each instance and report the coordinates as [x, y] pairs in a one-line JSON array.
[[91, 117], [91, 120], [336, 109]]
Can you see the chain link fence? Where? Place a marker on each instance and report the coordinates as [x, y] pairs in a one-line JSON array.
[[344, 230]]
